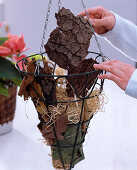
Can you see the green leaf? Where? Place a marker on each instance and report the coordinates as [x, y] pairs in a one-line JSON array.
[[8, 71], [3, 39], [17, 82], [3, 90]]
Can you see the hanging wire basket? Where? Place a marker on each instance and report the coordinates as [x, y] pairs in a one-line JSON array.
[[65, 101], [64, 115]]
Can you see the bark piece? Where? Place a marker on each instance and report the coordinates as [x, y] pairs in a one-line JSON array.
[[60, 126], [79, 81], [69, 42], [48, 85]]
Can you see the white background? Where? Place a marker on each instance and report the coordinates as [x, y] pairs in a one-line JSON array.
[[111, 142]]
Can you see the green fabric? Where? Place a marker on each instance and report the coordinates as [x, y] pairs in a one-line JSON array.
[[69, 139]]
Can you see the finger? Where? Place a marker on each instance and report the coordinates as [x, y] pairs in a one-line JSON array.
[[83, 13], [123, 66], [92, 11], [120, 65], [109, 77], [111, 69], [112, 63], [114, 78]]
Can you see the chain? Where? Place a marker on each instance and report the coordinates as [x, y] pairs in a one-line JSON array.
[[45, 26], [96, 38], [59, 5], [38, 62]]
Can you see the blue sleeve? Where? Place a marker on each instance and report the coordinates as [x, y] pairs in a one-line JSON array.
[[131, 88], [123, 37]]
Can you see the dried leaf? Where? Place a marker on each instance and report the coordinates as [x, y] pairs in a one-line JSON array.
[[61, 125], [27, 80]]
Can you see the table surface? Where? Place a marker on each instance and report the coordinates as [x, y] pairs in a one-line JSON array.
[[111, 141]]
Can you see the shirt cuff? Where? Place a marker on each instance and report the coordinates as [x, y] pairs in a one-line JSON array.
[[131, 88]]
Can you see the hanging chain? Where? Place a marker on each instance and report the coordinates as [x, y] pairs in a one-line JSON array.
[[59, 5], [39, 62], [96, 38], [45, 26]]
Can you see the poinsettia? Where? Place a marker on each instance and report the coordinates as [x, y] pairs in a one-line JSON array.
[[4, 51], [11, 51], [15, 44]]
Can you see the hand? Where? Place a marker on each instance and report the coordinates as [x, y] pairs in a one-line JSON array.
[[102, 20], [120, 72]]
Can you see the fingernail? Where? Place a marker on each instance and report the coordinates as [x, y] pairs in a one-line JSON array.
[[93, 21], [95, 64]]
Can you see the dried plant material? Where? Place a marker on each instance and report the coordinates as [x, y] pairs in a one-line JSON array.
[[59, 126], [69, 42], [60, 71], [58, 165], [61, 123], [79, 82], [91, 106], [74, 108], [48, 84], [27, 80]]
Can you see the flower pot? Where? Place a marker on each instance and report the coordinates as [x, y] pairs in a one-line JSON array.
[[6, 127], [7, 110]]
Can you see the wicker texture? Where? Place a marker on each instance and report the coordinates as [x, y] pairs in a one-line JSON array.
[[8, 105]]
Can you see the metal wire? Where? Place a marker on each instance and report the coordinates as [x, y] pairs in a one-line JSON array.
[[59, 5], [45, 26], [43, 37], [92, 28]]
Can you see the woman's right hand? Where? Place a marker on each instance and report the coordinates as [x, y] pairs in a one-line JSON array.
[[102, 19], [120, 72]]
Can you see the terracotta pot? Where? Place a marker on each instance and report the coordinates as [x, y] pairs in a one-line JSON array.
[[7, 110]]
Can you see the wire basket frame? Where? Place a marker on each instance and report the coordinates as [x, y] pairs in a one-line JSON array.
[[78, 98]]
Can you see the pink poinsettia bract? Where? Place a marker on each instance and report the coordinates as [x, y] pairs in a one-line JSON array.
[[16, 44]]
